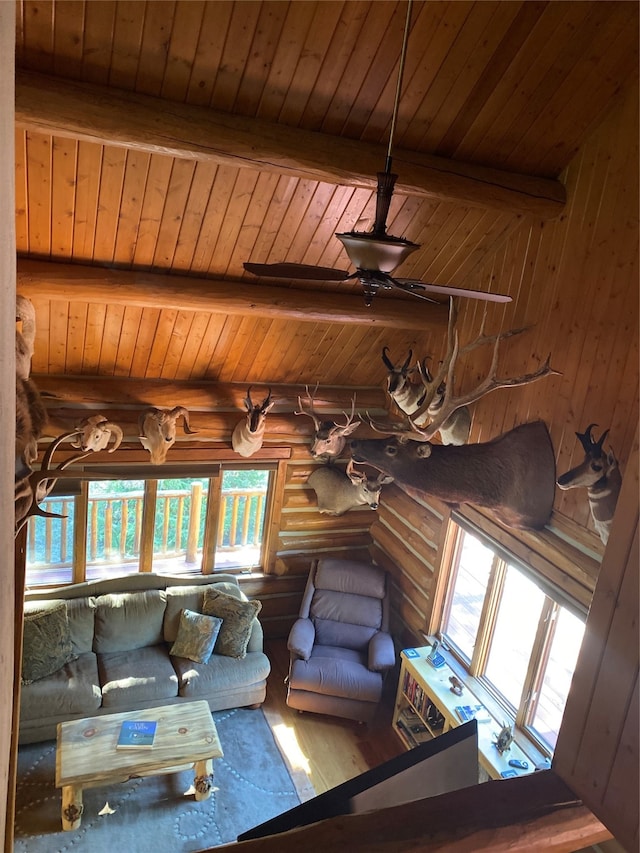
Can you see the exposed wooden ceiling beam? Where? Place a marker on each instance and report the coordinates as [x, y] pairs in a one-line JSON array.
[[75, 283], [127, 119]]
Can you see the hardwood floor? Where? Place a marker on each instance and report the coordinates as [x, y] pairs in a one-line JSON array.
[[325, 751]]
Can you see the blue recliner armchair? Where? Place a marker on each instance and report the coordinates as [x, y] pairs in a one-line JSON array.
[[339, 646]]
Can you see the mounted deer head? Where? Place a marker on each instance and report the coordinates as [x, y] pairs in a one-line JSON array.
[[445, 406], [94, 434], [248, 435], [338, 492], [599, 472], [513, 475], [330, 437], [158, 431]]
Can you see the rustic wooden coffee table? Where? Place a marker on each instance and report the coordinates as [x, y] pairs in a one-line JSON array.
[[87, 757]]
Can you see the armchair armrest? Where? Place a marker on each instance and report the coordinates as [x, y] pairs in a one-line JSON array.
[[382, 654], [301, 638]]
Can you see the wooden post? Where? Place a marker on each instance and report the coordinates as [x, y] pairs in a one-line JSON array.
[[194, 522]]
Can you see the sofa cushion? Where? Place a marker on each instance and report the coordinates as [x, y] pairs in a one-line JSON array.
[[344, 607], [136, 675], [191, 598], [196, 636], [74, 689], [180, 598], [237, 619], [336, 672], [128, 620], [46, 645], [80, 613], [221, 673]]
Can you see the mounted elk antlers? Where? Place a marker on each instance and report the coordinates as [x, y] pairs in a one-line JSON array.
[[599, 472], [330, 437], [248, 435], [445, 379], [158, 431], [410, 398]]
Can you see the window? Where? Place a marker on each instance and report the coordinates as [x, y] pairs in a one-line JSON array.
[[510, 631], [118, 525]]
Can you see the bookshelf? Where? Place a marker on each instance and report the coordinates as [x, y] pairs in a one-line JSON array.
[[425, 707]]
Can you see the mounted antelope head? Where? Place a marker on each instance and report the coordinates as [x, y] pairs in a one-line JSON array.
[[513, 475], [248, 435], [407, 395], [330, 437], [599, 472], [338, 492], [440, 398], [158, 431], [94, 434]]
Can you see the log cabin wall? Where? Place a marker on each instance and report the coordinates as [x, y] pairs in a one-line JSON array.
[[298, 533], [597, 752], [580, 274]]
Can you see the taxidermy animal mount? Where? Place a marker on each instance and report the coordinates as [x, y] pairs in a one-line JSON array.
[[38, 485], [158, 431], [513, 475], [248, 435], [410, 398], [95, 433], [330, 437], [599, 472], [338, 492], [436, 409]]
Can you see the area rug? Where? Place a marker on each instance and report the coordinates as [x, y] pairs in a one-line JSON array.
[[153, 815]]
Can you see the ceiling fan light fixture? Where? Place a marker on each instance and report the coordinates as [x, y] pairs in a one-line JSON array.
[[368, 251]]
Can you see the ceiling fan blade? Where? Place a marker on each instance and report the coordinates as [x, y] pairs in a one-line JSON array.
[[457, 291], [301, 271], [412, 288]]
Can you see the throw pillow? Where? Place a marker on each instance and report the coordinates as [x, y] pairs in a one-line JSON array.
[[46, 644], [237, 620], [197, 635]]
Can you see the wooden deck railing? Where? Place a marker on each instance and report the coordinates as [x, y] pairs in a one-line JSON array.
[[114, 525]]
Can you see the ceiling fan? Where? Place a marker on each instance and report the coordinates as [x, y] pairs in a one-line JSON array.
[[375, 254]]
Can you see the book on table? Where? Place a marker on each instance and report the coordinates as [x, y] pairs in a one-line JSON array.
[[473, 712], [137, 734]]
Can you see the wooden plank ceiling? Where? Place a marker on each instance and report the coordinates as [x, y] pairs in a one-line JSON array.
[[122, 182]]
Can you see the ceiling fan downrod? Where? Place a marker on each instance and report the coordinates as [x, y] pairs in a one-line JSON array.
[[376, 251]]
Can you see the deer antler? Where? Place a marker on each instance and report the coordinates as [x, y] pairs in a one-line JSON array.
[[348, 417], [310, 413], [488, 384], [414, 426], [42, 482]]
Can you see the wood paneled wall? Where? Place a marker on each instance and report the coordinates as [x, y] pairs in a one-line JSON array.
[[577, 283], [597, 752]]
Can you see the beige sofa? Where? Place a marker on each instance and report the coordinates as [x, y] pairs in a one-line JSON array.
[[121, 631]]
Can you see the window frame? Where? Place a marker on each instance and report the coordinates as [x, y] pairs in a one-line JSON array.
[[81, 476], [474, 669]]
